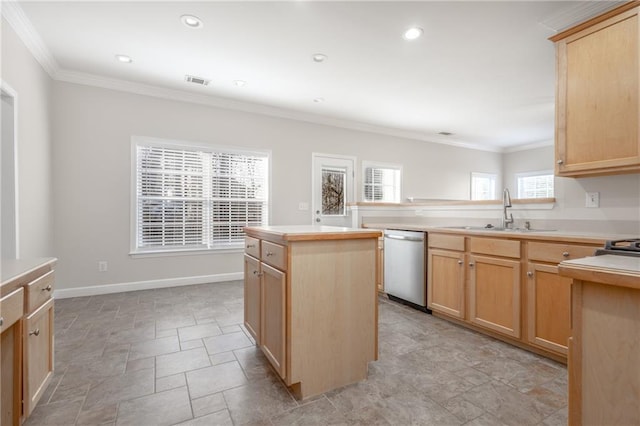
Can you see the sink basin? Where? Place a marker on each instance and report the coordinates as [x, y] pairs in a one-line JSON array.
[[498, 229]]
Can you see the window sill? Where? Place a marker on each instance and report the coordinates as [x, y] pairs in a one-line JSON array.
[[184, 252]]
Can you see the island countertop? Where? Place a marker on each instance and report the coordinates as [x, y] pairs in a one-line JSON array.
[[621, 271], [310, 232], [15, 271]]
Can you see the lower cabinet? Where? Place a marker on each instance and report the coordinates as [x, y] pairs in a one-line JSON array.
[[252, 296], [445, 292], [494, 294], [548, 307], [11, 310], [38, 354], [273, 334]]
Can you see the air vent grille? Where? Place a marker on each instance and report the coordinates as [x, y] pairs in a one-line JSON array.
[[197, 80]]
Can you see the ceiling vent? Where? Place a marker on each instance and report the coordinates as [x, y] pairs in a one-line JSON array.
[[196, 80], [576, 13], [445, 133]]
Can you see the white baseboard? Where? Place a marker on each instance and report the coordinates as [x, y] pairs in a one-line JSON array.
[[95, 290]]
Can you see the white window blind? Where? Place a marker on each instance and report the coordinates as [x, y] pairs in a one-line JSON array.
[[191, 198], [382, 183], [535, 185], [483, 186]]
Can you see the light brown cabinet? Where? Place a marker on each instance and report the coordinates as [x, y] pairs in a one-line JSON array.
[[597, 95], [26, 346], [311, 301], [380, 273], [446, 275]]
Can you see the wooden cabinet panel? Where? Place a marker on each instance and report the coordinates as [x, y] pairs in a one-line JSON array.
[[445, 289], [252, 247], [38, 354], [11, 308], [252, 296], [39, 291], [548, 308], [494, 294], [597, 129], [273, 330], [380, 268], [274, 255], [446, 242], [495, 247], [557, 252]]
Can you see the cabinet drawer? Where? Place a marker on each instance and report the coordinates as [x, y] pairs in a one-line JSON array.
[[39, 291], [495, 247], [447, 242], [252, 247], [274, 255], [557, 252], [12, 308]]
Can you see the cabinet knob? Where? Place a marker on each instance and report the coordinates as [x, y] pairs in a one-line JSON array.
[[251, 245], [257, 273], [35, 332], [565, 254], [270, 253], [47, 288], [460, 262], [560, 162], [529, 274], [471, 264], [1, 321]]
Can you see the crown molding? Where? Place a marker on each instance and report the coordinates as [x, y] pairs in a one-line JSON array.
[[15, 16], [528, 146]]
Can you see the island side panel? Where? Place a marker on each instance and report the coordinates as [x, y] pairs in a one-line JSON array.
[[333, 313]]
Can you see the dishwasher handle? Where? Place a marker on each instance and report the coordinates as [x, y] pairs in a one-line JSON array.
[[402, 237]]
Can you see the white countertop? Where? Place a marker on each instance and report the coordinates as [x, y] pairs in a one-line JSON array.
[[614, 263], [311, 232]]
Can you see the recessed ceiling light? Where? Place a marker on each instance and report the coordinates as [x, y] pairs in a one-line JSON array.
[[240, 83], [319, 57], [124, 59], [445, 133], [413, 33], [318, 100], [191, 21]]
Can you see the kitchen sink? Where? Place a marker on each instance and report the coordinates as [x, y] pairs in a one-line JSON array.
[[498, 229]]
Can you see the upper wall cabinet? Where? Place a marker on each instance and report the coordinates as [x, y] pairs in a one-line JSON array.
[[598, 70]]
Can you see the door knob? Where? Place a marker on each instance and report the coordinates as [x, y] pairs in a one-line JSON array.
[[317, 219]]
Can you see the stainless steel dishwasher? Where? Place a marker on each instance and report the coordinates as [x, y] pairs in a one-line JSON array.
[[405, 267]]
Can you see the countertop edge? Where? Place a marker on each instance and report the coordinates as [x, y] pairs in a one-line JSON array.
[[20, 268], [311, 233], [621, 272]]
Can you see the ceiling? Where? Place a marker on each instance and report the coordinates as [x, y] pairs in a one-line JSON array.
[[483, 71]]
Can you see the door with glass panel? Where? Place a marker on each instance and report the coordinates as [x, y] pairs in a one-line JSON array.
[[333, 189]]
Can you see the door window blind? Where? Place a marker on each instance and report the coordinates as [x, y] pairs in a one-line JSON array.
[[190, 198], [535, 186]]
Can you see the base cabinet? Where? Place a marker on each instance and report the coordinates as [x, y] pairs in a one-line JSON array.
[[494, 294], [273, 317], [252, 296], [38, 354], [446, 282], [11, 312]]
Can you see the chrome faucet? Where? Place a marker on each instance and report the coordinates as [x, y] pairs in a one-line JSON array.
[[507, 221]]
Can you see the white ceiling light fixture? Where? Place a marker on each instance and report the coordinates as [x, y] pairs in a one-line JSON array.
[[240, 83], [319, 57], [191, 21], [124, 59], [413, 33]]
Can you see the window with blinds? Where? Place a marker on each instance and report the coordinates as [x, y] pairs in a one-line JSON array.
[[535, 185], [194, 198], [483, 186], [382, 183]]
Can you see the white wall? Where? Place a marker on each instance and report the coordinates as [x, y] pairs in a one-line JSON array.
[[33, 88], [92, 129]]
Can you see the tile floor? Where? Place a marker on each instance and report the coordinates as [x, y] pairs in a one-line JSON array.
[[181, 356]]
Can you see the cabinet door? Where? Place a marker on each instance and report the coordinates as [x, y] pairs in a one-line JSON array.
[[11, 373], [597, 99], [445, 289], [380, 270], [494, 294], [548, 307], [252, 298], [38, 354], [273, 317]]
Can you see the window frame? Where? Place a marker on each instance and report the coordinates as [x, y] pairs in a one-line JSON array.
[[137, 252], [379, 165], [492, 176], [535, 173]]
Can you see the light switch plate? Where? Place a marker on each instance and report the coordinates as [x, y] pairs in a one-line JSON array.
[[593, 199], [303, 206]]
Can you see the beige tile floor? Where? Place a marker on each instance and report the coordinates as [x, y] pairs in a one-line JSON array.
[[181, 356]]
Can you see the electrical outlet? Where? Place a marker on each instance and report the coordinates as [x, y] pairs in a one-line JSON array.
[[593, 199], [303, 206], [102, 266]]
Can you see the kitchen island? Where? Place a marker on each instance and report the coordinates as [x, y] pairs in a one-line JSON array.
[[311, 303], [604, 348]]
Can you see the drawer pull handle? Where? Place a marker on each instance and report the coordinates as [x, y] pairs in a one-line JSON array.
[[560, 162], [1, 321], [47, 288], [460, 262], [257, 273], [35, 332], [529, 274], [565, 254], [270, 253], [251, 245]]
